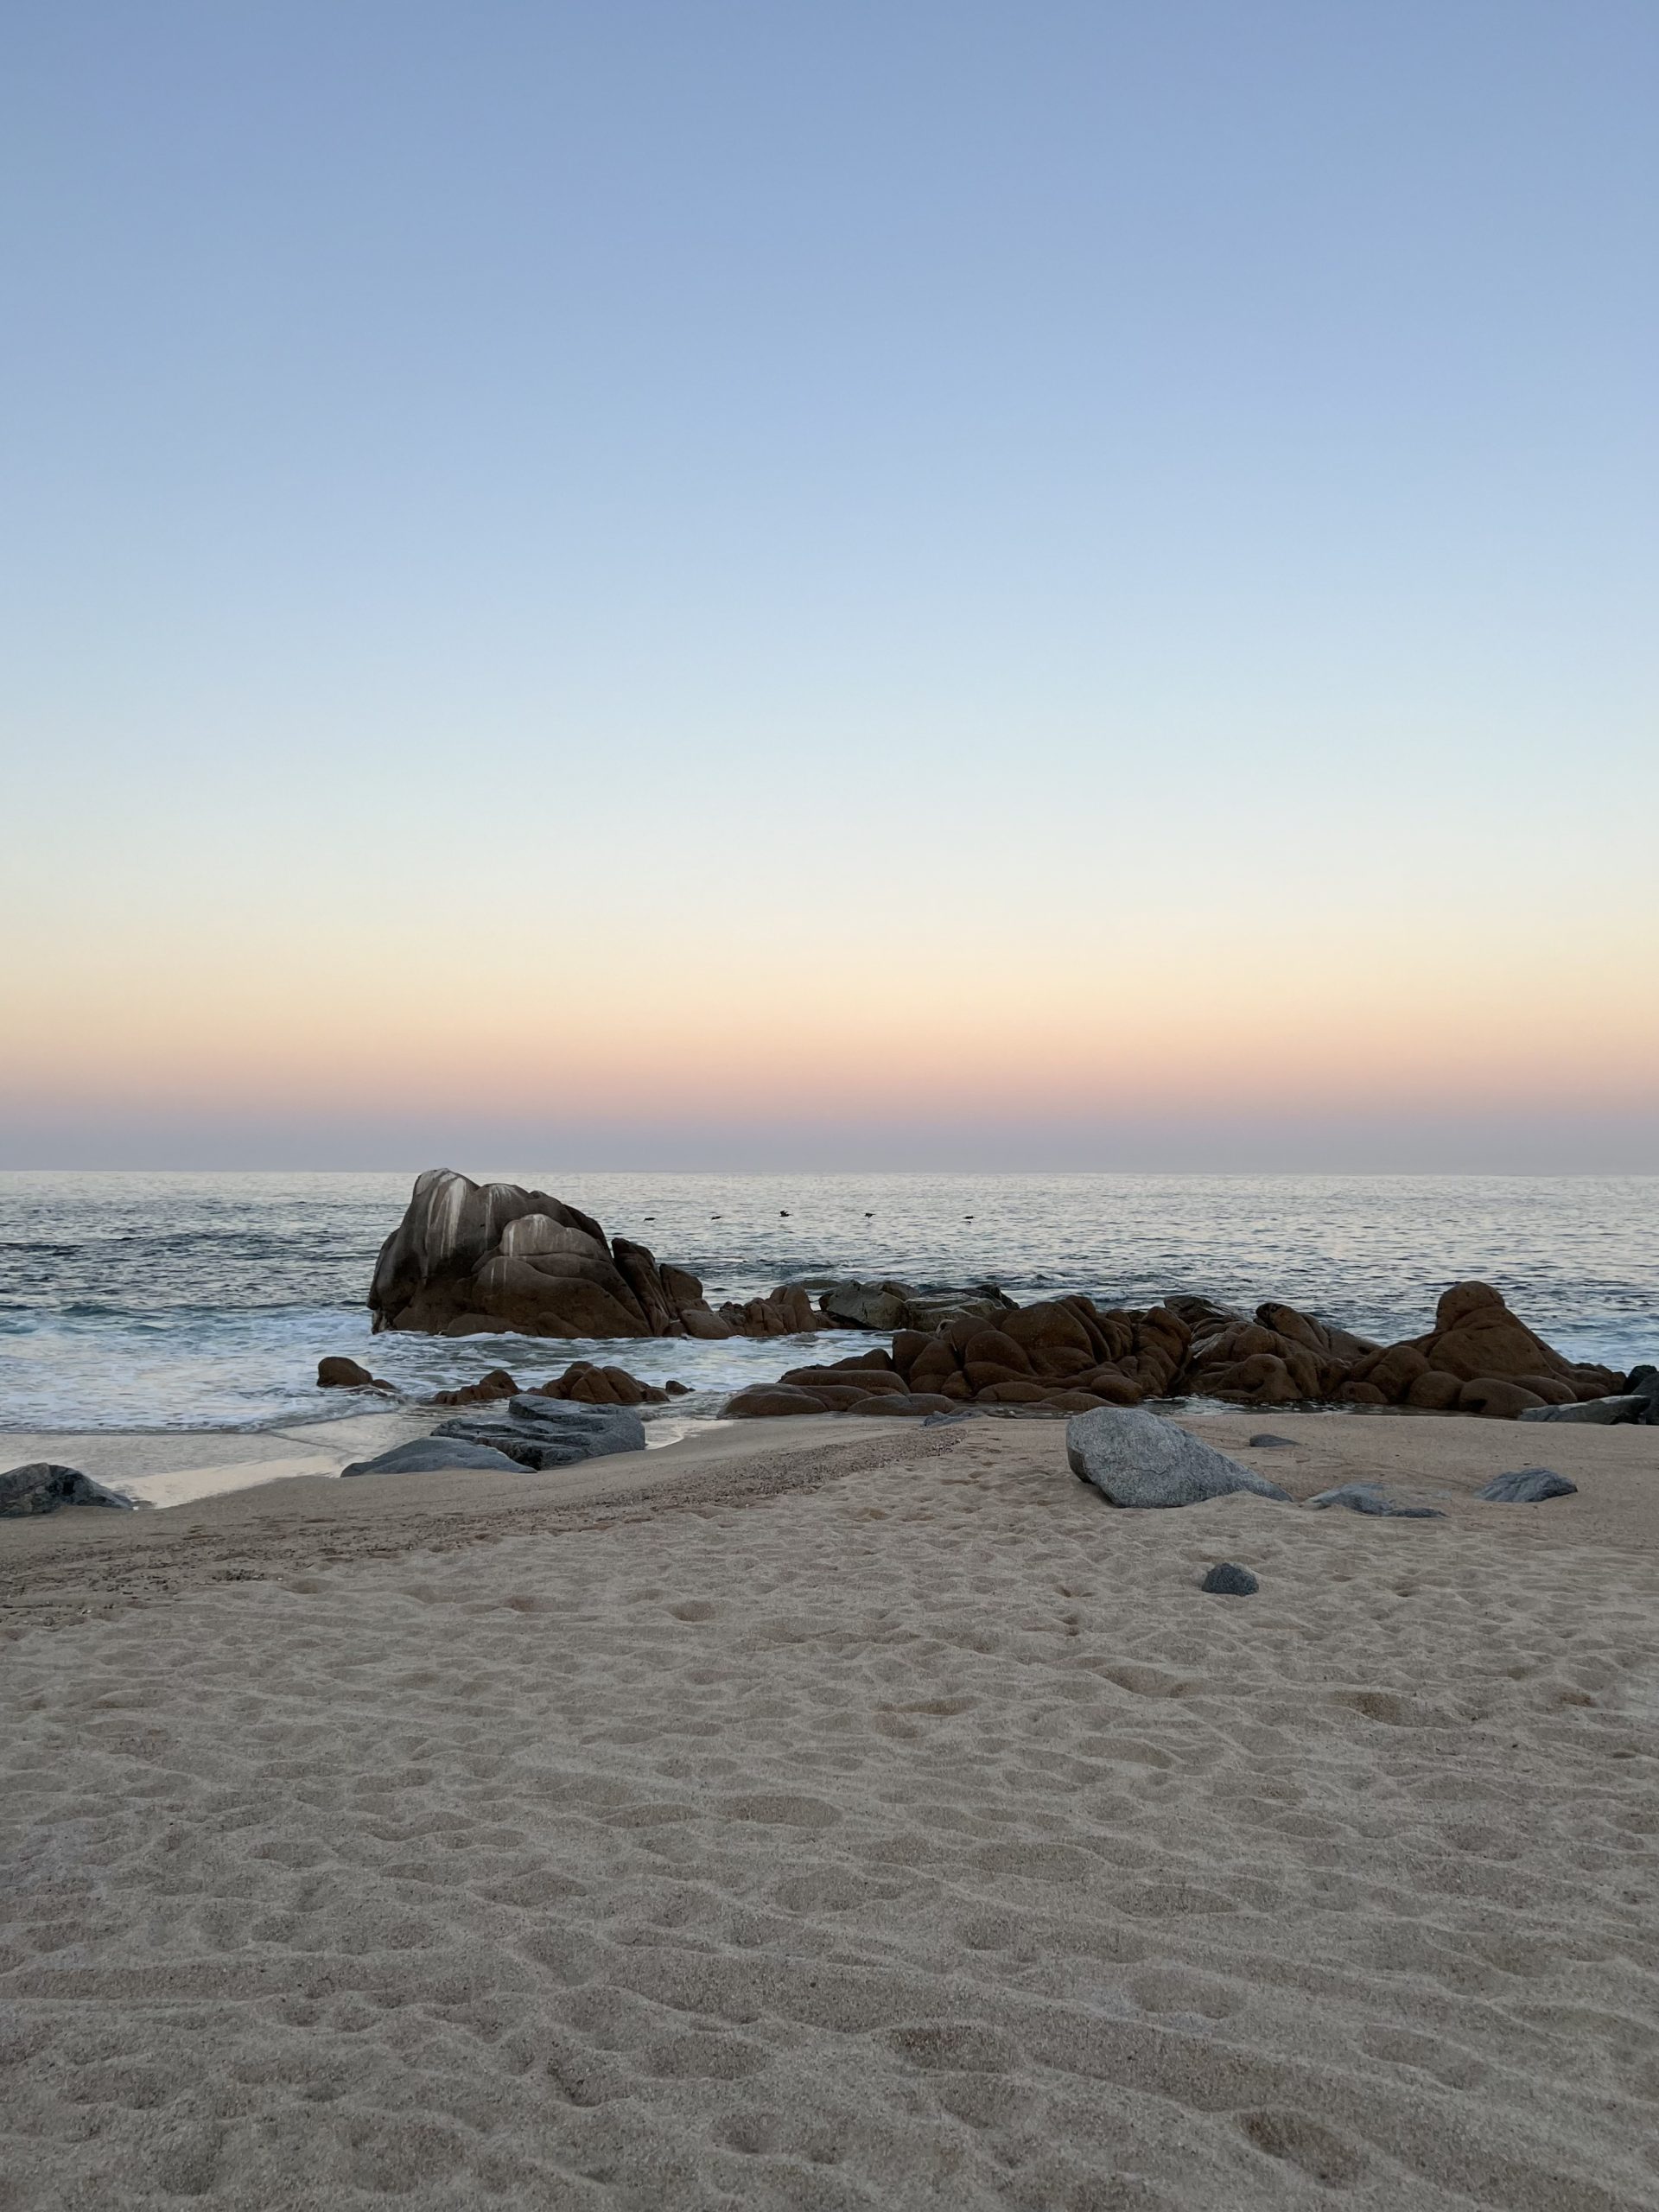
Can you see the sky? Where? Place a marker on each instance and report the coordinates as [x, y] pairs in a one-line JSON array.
[[920, 583]]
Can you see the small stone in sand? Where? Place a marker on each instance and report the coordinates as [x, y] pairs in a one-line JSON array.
[[1228, 1580], [1527, 1486], [1366, 1498], [1268, 1442]]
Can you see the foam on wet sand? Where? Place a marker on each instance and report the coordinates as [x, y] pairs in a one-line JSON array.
[[831, 1820]]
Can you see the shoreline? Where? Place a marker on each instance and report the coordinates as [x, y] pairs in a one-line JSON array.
[[269, 1520]]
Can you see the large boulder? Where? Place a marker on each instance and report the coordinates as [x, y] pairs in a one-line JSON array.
[[42, 1486], [472, 1258], [1134, 1458], [1477, 1358], [545, 1433]]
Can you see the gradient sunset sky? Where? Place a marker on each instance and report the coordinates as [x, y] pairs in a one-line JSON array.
[[909, 584]]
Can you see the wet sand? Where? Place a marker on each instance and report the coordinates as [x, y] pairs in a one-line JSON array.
[[837, 1813]]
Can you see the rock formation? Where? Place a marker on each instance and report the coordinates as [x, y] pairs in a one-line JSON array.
[[1064, 1354], [486, 1259], [474, 1259], [1477, 1358], [1068, 1356]]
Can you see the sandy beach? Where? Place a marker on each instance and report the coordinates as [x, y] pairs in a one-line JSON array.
[[839, 1813]]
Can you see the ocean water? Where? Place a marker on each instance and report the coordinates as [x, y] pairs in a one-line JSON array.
[[154, 1301]]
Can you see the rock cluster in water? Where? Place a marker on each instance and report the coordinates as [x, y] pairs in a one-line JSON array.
[[484, 1259], [1069, 1356]]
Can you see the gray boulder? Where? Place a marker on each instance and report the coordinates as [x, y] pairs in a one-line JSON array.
[[1133, 1458], [546, 1432], [1366, 1498], [1527, 1486], [1228, 1579], [1600, 1412], [43, 1487], [426, 1454]]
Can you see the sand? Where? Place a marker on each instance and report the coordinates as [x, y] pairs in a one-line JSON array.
[[837, 1813]]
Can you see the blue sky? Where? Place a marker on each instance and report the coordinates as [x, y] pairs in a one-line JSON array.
[[667, 511]]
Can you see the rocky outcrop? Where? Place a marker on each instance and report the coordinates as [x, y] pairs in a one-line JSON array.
[[473, 1259], [1062, 1356], [1279, 1358], [42, 1486], [1134, 1458], [1477, 1358]]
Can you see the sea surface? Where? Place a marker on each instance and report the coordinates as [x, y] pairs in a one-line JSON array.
[[140, 1301]]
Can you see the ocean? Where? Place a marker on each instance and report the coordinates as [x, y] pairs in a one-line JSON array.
[[146, 1301]]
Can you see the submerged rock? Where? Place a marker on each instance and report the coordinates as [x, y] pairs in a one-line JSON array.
[[1527, 1486], [42, 1486], [1134, 1458], [1227, 1580]]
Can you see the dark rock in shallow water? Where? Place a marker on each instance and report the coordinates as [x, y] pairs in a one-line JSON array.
[[43, 1487], [424, 1455], [1527, 1486], [1366, 1498], [1228, 1580], [546, 1432], [338, 1373], [1134, 1458]]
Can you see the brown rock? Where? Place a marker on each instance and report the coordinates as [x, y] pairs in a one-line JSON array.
[[1261, 1378], [770, 1401], [1432, 1393], [1047, 1324], [498, 1383], [339, 1373], [1496, 1397]]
